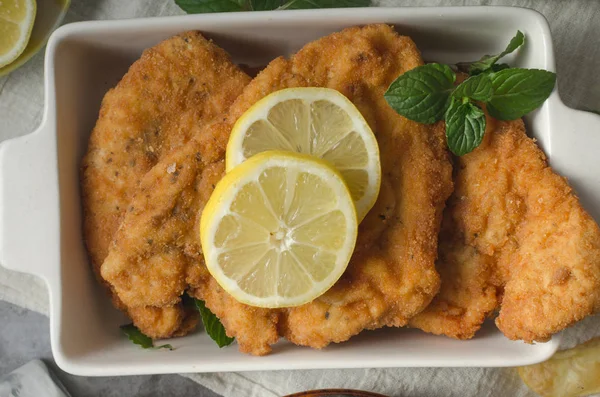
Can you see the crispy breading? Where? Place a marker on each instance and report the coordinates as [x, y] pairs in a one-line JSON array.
[[391, 276], [514, 238], [181, 83]]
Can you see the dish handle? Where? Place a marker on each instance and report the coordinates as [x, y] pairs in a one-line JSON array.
[[29, 202], [575, 152]]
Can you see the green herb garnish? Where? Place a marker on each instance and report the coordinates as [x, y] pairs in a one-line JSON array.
[[427, 94], [519, 91], [213, 325], [137, 337], [465, 126], [477, 88], [422, 94], [488, 61], [205, 6]]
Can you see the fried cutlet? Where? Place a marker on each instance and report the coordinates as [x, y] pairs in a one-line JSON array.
[[156, 254], [515, 239], [181, 83]]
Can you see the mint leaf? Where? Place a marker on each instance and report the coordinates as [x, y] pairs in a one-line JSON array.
[[465, 127], [478, 88], [497, 67], [206, 6], [422, 94], [487, 61], [213, 325], [519, 91], [465, 66], [264, 5], [137, 337], [306, 4]]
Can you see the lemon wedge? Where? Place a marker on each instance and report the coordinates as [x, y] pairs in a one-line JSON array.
[[16, 22], [317, 121], [279, 229]]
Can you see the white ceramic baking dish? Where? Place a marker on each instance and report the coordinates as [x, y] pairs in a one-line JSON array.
[[40, 212]]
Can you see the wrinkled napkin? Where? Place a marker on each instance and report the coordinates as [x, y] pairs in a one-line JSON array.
[[33, 379], [575, 28]]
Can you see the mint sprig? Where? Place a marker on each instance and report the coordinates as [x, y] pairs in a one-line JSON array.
[[211, 322], [264, 5], [423, 93], [137, 337], [477, 88], [207, 6], [427, 94], [519, 91], [488, 61], [465, 126], [213, 325], [308, 4]]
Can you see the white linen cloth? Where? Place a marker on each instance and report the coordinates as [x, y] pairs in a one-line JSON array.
[[33, 379], [575, 29]]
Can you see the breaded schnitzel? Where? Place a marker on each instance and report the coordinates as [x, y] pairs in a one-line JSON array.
[[181, 83], [514, 238], [156, 254]]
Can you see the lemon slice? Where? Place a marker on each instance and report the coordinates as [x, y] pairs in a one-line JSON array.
[[569, 373], [279, 230], [316, 121], [16, 22]]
